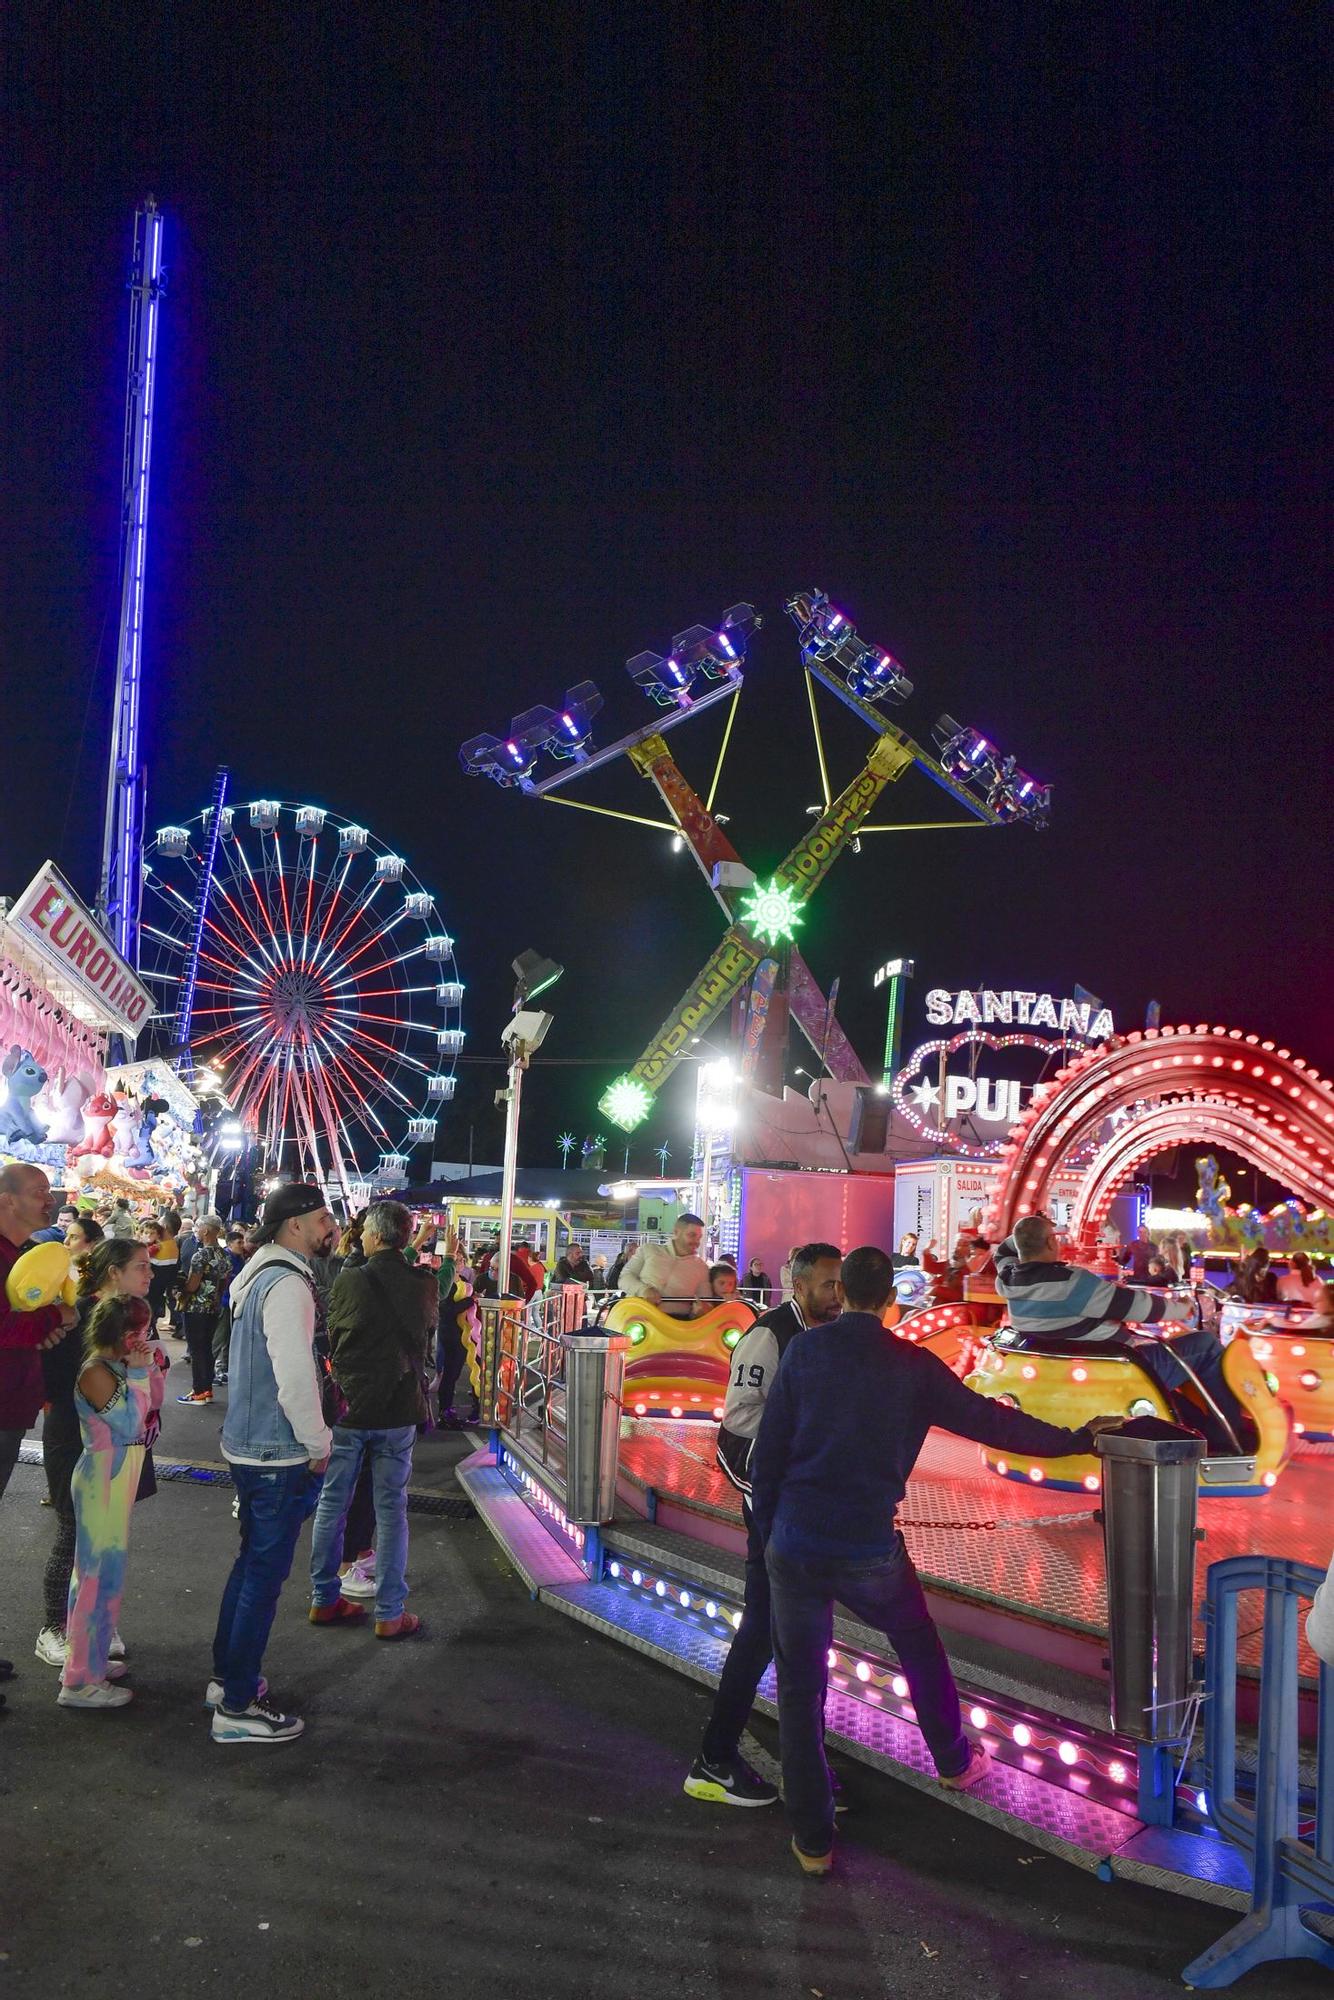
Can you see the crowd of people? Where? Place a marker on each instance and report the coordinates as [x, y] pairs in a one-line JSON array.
[[334, 1346], [336, 1356]]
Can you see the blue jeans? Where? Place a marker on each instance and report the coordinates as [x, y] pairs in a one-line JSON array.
[[275, 1501], [391, 1469], [1202, 1354], [882, 1592]]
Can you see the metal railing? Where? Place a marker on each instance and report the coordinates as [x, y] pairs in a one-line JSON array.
[[1289, 1842], [523, 1365]]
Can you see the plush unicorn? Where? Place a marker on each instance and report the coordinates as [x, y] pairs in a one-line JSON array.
[[61, 1103], [23, 1078], [125, 1127]]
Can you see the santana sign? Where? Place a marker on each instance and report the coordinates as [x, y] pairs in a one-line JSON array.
[[933, 1100], [97, 983], [986, 1009]]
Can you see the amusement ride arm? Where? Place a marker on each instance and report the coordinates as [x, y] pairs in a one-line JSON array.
[[710, 845], [738, 953]]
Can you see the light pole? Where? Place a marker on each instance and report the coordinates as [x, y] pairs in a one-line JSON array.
[[521, 1039]]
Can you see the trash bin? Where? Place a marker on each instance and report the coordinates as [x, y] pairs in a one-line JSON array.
[[1149, 1491], [594, 1379]]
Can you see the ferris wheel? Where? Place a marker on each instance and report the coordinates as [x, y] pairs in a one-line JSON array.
[[299, 957]]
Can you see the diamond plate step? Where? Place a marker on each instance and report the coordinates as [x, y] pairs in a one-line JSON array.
[[985, 1667], [537, 1556], [1043, 1815]]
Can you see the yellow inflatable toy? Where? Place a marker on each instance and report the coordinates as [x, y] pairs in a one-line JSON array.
[[41, 1277], [1070, 1388], [678, 1367]]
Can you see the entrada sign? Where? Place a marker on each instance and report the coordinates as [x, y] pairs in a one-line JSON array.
[[985, 1009]]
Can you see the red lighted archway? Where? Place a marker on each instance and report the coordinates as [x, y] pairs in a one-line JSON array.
[[1176, 1085]]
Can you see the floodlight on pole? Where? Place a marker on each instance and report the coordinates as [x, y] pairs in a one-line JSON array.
[[521, 1039]]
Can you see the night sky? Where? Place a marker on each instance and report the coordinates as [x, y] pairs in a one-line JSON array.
[[502, 343]]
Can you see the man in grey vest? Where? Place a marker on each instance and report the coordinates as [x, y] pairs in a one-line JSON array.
[[277, 1443]]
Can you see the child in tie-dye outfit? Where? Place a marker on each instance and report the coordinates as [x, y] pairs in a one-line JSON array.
[[117, 1388]]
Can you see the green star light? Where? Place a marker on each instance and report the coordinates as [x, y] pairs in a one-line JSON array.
[[773, 913], [626, 1102]]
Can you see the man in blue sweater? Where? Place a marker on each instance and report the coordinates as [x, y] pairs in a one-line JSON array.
[[842, 1427]]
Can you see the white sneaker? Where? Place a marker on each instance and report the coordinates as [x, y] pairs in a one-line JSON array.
[[52, 1646], [116, 1650], [977, 1767], [359, 1579], [255, 1724], [213, 1693], [96, 1694], [116, 1670]]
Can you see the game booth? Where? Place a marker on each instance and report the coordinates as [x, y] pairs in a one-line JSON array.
[[94, 1128]]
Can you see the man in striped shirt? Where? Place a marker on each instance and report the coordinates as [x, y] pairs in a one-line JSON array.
[[1056, 1306]]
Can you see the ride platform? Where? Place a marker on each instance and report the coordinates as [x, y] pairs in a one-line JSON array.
[[1017, 1565], [1060, 1781]]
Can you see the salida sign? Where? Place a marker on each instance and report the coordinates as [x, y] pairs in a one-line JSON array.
[[97, 982]]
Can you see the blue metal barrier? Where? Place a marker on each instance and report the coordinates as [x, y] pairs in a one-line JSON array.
[[1291, 1871]]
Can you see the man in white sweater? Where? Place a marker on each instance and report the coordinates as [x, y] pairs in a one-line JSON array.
[[672, 1275]]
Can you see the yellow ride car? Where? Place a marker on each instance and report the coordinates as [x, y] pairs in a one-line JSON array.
[[1295, 1345], [1072, 1387], [678, 1367]]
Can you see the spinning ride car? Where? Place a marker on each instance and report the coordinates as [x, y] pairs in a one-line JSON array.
[[1070, 1388], [678, 1367], [1295, 1345], [955, 1330]]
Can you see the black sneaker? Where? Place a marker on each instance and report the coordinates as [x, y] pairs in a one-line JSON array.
[[731, 1782]]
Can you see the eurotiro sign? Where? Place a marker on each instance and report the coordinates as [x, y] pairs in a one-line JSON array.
[[89, 973]]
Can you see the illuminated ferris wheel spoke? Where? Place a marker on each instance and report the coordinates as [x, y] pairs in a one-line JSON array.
[[260, 903], [387, 1087], [282, 892], [310, 898], [377, 937], [386, 965], [359, 908], [246, 926], [333, 903]]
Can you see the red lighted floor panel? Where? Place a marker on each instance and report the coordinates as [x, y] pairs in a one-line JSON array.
[[1022, 1548]]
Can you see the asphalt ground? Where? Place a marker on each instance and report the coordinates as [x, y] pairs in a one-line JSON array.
[[495, 1808]]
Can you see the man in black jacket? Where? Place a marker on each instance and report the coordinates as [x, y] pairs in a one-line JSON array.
[[842, 1428], [381, 1319], [720, 1773], [574, 1268]]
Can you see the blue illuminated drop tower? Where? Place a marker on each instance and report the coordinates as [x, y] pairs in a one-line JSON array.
[[121, 881]]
